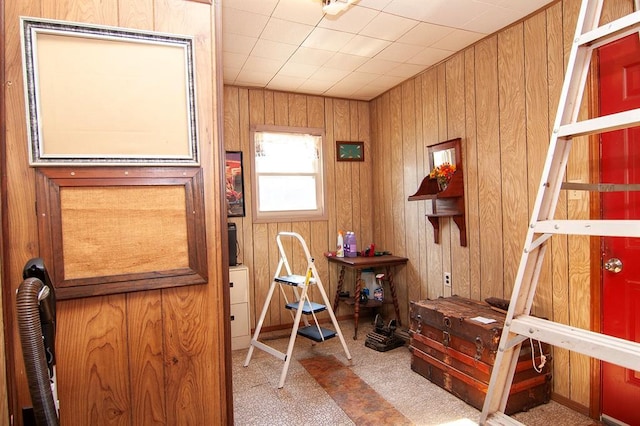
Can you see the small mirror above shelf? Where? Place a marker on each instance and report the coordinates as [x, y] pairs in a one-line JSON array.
[[447, 197]]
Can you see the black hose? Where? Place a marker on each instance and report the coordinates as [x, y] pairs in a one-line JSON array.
[[33, 352]]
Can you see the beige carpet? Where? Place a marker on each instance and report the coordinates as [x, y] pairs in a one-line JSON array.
[[303, 401]]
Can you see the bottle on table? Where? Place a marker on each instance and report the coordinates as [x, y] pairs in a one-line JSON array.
[[351, 249], [340, 249]]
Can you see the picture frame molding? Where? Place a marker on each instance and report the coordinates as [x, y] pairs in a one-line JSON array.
[[349, 151], [186, 148], [51, 181], [238, 210]]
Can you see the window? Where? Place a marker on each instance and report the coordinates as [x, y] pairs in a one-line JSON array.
[[287, 174]]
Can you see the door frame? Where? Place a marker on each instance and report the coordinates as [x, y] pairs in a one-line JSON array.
[[6, 338], [595, 242]]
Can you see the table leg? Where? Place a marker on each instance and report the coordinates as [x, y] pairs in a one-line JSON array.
[[394, 294], [356, 305], [339, 289]]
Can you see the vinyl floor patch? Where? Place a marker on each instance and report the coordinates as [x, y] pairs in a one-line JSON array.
[[356, 398]]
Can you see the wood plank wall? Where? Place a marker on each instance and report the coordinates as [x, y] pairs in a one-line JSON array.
[[500, 96], [4, 387], [152, 357], [348, 187]]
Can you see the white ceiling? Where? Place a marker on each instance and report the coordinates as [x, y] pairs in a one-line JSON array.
[[374, 45]]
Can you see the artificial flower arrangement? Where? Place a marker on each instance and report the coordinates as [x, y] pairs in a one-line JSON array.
[[443, 174]]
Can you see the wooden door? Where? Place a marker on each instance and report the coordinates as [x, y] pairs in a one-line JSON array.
[[620, 163]]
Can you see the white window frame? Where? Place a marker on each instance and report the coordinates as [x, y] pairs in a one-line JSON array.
[[289, 215]]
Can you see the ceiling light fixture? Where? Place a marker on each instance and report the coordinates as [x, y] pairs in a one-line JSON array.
[[333, 7]]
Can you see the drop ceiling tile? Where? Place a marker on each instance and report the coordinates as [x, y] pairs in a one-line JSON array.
[[341, 89], [315, 86], [298, 70], [243, 23], [331, 75], [267, 65], [378, 66], [494, 19], [385, 82], [451, 13], [308, 55], [263, 7], [273, 50], [352, 20], [430, 56], [348, 86], [406, 71], [345, 61], [425, 34], [235, 43], [253, 78], [459, 39], [367, 93], [359, 78], [524, 6], [496, 2], [373, 4], [364, 46], [322, 38], [234, 60], [285, 82], [388, 27], [399, 52], [310, 91], [411, 8], [306, 12], [286, 31]]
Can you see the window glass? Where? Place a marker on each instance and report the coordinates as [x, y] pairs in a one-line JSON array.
[[288, 174]]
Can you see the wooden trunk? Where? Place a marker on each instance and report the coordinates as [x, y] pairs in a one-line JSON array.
[[457, 352]]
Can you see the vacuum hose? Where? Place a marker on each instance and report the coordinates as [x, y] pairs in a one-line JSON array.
[[30, 293]]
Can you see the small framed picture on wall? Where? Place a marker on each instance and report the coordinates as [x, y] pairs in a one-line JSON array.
[[234, 182], [349, 151]]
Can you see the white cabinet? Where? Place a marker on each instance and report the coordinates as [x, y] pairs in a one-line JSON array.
[[240, 325]]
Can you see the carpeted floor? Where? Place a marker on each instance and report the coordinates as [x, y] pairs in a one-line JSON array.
[[304, 401]]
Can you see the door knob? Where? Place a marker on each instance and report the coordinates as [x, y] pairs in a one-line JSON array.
[[613, 265]]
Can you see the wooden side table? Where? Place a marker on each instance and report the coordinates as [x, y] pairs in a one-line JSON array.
[[358, 264]]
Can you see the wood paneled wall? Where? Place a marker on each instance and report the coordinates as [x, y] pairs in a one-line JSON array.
[[500, 96], [348, 186], [4, 388], [149, 357]]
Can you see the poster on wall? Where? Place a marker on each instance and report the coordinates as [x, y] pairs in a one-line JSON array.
[[234, 184]]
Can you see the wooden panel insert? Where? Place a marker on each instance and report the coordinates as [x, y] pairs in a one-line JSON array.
[[113, 230], [151, 120], [123, 230]]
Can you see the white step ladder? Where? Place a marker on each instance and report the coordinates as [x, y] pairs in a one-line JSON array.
[[300, 284], [519, 325]]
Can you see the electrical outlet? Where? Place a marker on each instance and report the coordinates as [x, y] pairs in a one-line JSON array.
[[447, 279]]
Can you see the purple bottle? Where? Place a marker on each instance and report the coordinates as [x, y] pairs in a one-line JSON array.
[[350, 248]]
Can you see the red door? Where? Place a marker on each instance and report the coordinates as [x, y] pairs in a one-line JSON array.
[[620, 163]]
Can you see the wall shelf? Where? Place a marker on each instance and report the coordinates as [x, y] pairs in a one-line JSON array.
[[448, 202]]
